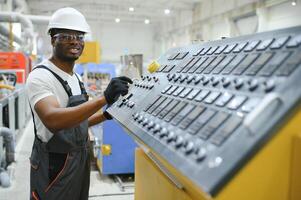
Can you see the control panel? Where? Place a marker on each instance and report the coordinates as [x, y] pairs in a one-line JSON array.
[[210, 107]]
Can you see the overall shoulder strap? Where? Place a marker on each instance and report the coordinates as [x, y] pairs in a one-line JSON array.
[[34, 125], [82, 87], [64, 83]]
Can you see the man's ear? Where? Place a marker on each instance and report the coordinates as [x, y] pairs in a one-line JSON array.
[[52, 41]]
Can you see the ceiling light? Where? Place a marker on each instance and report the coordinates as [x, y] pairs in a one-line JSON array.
[[167, 11], [117, 20], [146, 21], [294, 3], [131, 9]]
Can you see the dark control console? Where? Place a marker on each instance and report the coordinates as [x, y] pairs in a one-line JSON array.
[[211, 106]]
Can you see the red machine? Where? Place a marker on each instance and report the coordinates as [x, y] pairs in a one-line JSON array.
[[16, 61]]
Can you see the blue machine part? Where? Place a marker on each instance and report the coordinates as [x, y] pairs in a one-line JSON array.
[[122, 157], [105, 68]]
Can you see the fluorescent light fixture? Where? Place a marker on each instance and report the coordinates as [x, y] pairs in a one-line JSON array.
[[294, 3], [166, 11], [117, 20], [146, 21], [131, 9]]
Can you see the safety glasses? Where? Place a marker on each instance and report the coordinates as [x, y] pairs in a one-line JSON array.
[[66, 37]]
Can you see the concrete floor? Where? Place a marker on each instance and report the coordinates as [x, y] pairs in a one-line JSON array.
[[101, 187]]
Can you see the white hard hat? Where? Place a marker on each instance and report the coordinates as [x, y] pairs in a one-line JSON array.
[[68, 18]]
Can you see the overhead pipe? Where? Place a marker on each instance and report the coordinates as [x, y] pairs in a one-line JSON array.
[[18, 17], [27, 25], [4, 31], [38, 19]]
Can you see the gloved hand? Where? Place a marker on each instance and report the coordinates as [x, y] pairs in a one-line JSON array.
[[107, 115], [117, 86]]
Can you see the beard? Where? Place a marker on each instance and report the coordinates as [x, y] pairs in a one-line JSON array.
[[66, 57], [62, 54]]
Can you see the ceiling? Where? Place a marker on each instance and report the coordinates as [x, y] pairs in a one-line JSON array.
[[108, 10]]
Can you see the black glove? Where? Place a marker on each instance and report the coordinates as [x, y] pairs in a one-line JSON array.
[[107, 115], [117, 86]]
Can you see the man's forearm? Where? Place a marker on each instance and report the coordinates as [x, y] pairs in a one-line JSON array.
[[61, 118]]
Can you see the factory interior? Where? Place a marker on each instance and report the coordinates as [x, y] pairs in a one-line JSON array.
[[150, 100]]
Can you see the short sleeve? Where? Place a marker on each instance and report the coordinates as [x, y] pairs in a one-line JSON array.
[[38, 86]]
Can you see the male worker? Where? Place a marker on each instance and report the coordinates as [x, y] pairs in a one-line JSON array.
[[59, 160]]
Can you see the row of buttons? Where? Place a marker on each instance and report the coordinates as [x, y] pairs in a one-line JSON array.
[[149, 78], [249, 64], [193, 118], [197, 120], [226, 82], [144, 85], [126, 102], [162, 133], [250, 46], [245, 46], [178, 56], [210, 97]]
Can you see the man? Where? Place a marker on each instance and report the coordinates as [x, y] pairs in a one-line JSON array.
[[59, 160]]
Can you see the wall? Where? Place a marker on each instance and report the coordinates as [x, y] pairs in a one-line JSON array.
[[115, 40], [211, 20], [123, 38]]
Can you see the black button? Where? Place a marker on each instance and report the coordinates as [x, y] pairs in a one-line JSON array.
[[157, 128], [150, 125], [206, 80], [269, 85], [135, 116], [252, 84], [179, 141], [238, 83], [190, 79], [170, 77], [170, 136], [215, 81], [201, 154], [197, 79], [189, 147], [226, 81]]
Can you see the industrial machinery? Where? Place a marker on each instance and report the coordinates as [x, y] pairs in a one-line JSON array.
[[113, 148], [212, 108], [131, 65], [14, 67]]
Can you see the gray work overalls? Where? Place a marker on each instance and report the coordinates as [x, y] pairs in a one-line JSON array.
[[60, 168]]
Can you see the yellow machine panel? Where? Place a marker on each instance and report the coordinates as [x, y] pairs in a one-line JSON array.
[[220, 119], [274, 173], [91, 53]]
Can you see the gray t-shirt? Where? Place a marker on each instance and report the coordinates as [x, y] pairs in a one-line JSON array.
[[41, 83]]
